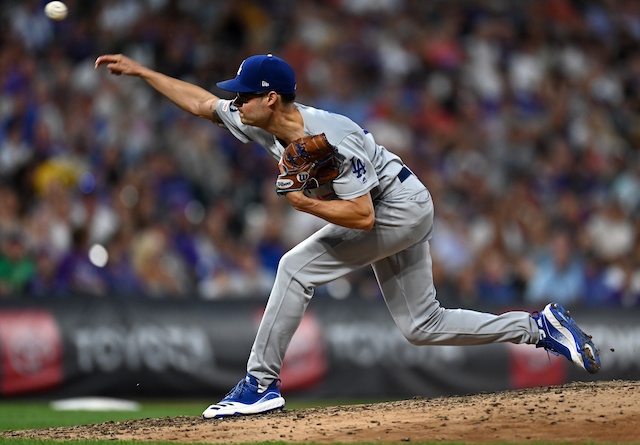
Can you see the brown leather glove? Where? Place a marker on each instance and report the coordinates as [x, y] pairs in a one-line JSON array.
[[308, 163]]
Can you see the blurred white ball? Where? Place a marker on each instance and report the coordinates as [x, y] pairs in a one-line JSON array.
[[56, 10], [98, 255]]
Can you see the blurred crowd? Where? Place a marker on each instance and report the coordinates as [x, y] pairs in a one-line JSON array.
[[521, 117]]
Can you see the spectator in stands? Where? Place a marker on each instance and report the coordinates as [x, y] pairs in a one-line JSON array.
[[77, 274], [43, 281], [496, 282], [558, 273], [16, 264]]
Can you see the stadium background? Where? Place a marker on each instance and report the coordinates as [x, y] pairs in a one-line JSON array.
[[124, 221]]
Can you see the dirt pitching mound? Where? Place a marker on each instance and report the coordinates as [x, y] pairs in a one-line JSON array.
[[573, 413]]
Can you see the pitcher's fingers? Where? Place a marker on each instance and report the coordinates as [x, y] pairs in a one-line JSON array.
[[107, 58]]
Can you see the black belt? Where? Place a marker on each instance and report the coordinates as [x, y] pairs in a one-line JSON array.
[[404, 174]]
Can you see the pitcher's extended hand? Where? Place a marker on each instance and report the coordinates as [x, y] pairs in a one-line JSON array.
[[119, 64]]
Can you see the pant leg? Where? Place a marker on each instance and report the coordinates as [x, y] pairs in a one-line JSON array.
[[330, 253], [407, 285], [325, 256]]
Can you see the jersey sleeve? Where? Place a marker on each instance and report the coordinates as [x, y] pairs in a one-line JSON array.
[[357, 173]]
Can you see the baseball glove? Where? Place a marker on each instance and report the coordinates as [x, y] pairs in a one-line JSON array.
[[308, 163]]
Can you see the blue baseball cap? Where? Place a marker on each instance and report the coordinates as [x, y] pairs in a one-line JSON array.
[[262, 73]]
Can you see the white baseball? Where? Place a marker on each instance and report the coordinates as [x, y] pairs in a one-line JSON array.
[[56, 10]]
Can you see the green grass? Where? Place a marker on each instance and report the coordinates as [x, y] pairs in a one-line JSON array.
[[28, 415], [20, 415]]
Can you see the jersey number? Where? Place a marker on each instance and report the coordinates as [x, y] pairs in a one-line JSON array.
[[358, 167]]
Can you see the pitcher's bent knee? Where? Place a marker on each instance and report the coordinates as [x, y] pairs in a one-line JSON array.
[[288, 265], [424, 333], [290, 270], [418, 339]]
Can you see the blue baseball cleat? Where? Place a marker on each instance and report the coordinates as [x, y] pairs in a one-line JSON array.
[[559, 334], [247, 397]]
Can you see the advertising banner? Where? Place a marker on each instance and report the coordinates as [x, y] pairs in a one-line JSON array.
[[343, 349]]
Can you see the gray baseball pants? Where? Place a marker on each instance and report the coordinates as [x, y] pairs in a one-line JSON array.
[[397, 249]]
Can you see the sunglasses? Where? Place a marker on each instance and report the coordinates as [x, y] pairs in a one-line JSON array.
[[243, 98]]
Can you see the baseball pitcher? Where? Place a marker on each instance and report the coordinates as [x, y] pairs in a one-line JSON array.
[[380, 215]]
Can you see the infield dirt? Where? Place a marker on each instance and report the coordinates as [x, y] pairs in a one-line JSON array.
[[595, 412]]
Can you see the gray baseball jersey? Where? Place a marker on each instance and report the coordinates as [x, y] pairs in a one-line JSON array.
[[397, 248]]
